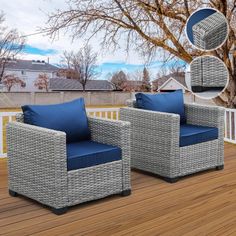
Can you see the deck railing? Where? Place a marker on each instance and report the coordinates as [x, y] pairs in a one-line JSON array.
[[5, 117], [230, 125], [113, 113]]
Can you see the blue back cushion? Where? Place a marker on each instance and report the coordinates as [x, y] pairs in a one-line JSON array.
[[68, 117], [172, 102]]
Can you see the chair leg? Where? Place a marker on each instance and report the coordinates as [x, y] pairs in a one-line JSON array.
[[220, 167], [59, 211], [126, 192], [13, 193], [171, 180]]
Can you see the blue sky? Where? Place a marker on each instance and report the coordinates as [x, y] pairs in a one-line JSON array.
[[29, 15], [39, 51], [106, 69]]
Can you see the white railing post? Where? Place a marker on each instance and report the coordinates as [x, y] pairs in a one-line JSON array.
[[107, 113], [113, 113], [8, 117], [1, 137], [230, 127]]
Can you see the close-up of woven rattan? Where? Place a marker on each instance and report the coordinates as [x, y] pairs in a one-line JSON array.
[[38, 164], [155, 141], [210, 32], [208, 72]]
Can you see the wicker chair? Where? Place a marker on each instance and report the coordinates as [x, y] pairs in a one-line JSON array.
[[38, 165], [210, 32], [208, 73], [155, 142]]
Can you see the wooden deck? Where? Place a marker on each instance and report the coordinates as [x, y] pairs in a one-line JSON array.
[[202, 204]]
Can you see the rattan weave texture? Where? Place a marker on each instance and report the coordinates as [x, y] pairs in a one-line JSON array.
[[211, 32], [155, 141], [208, 72], [37, 164]]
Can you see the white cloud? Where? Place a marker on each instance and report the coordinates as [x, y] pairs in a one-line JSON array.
[[28, 15]]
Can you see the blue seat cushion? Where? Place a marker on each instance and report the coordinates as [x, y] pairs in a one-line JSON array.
[[172, 102], [193, 134], [68, 117], [89, 153]]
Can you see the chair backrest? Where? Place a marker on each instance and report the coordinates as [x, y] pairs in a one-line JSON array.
[[131, 103], [20, 117]]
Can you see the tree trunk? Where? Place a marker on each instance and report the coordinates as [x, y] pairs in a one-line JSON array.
[[1, 75], [232, 84], [83, 85], [2, 70]]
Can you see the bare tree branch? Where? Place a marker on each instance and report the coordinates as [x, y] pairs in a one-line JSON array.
[[11, 44], [80, 65], [147, 26]]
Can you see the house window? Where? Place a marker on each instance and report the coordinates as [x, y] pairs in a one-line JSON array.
[[23, 72]]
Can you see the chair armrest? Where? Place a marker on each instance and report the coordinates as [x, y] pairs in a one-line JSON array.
[[212, 116], [37, 163], [152, 122], [110, 132], [155, 140], [115, 133], [153, 131]]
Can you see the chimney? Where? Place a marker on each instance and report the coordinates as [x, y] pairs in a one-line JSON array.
[[48, 60]]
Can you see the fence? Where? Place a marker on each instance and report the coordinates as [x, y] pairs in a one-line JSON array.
[[95, 98], [113, 113]]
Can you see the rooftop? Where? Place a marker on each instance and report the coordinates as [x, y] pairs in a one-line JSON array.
[[32, 65], [180, 77]]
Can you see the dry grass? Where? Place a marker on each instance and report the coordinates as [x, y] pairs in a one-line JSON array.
[[94, 106]]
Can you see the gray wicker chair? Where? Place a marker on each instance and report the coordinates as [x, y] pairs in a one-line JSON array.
[[211, 32], [208, 73], [38, 165], [155, 141]]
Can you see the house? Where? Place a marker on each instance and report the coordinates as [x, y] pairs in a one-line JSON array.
[[61, 84], [171, 82], [28, 71]]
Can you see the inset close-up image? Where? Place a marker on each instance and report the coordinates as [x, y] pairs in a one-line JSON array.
[[208, 76], [207, 29]]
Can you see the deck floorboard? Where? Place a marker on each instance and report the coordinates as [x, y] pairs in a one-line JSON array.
[[200, 204]]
